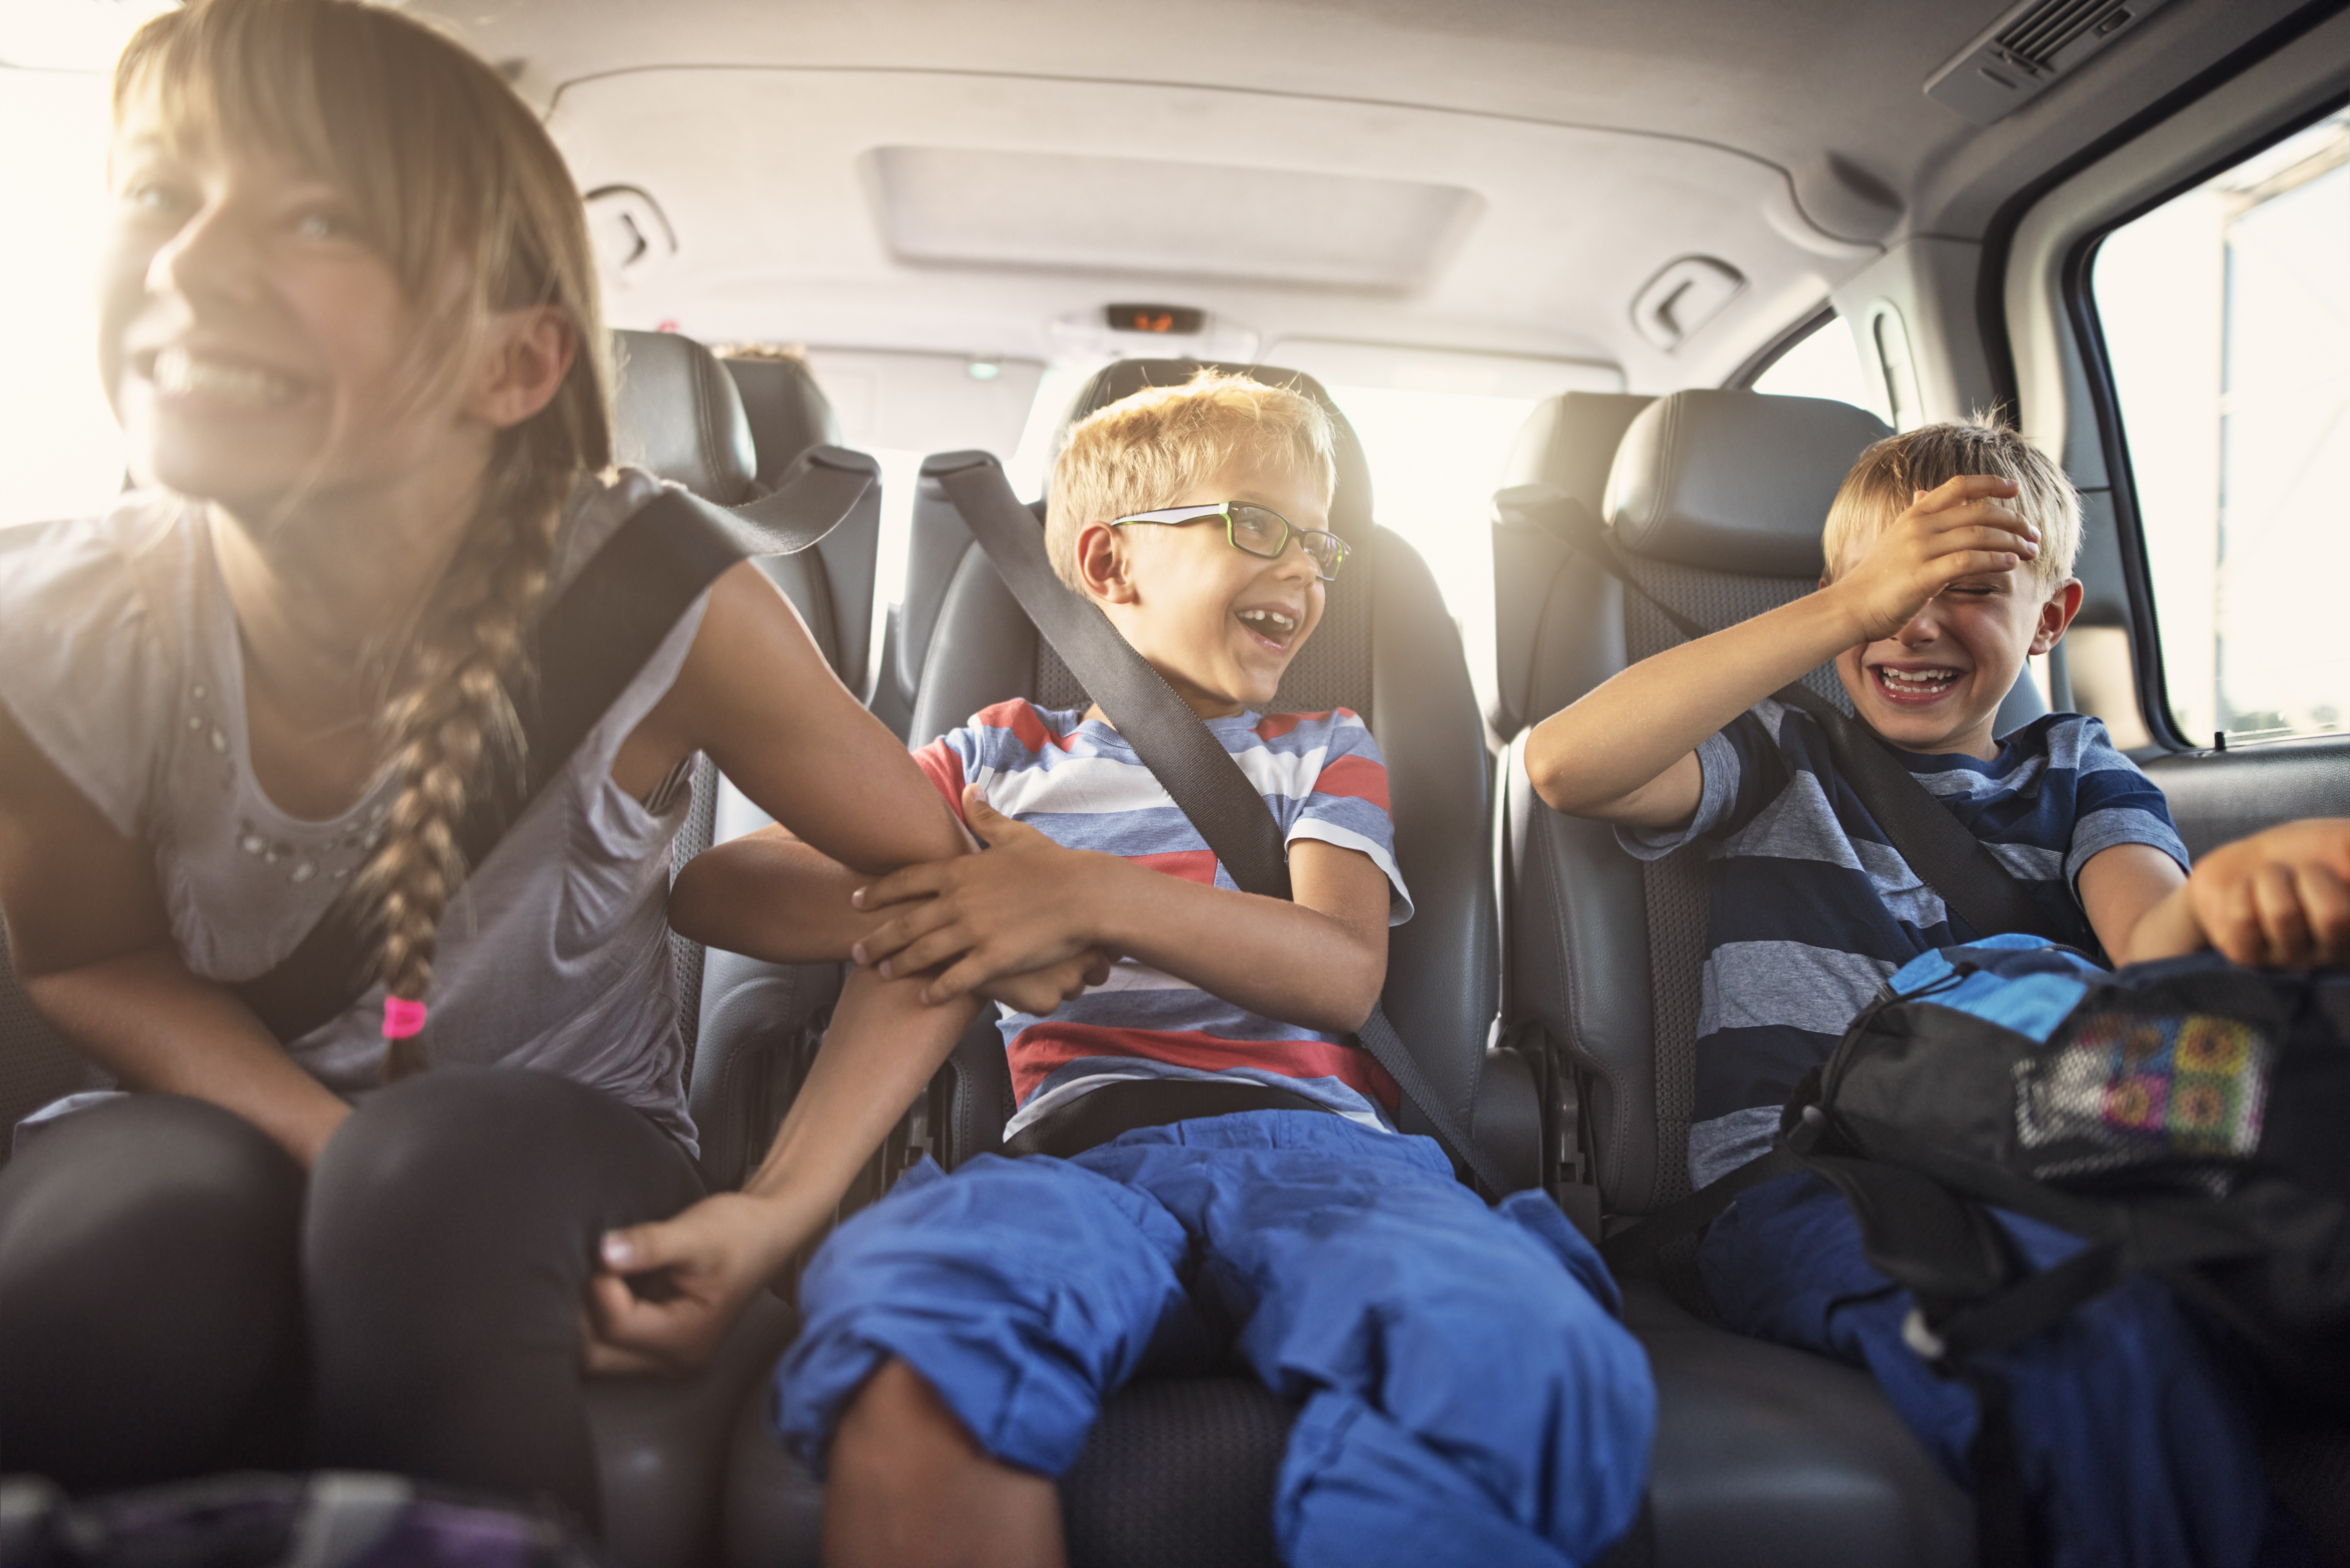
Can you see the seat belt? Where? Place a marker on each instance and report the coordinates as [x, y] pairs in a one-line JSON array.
[[1948, 858], [587, 647], [1202, 778]]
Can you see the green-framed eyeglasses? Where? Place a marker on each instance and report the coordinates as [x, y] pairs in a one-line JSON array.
[[1255, 530]]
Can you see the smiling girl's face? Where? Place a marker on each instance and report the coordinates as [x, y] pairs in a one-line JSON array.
[[257, 345]]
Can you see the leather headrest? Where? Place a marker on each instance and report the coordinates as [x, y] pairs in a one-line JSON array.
[[788, 411], [1569, 442], [1734, 482], [1350, 501], [677, 416]]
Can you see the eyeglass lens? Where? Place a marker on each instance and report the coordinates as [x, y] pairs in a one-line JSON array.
[[1260, 532]]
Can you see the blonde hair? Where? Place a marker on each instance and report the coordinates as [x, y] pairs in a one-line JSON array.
[[1882, 483], [1141, 452], [443, 163]]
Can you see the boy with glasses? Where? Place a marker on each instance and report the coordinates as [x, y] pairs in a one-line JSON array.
[[1466, 1395]]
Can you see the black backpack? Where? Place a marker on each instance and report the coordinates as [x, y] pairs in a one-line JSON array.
[[2191, 1119], [2188, 1119]]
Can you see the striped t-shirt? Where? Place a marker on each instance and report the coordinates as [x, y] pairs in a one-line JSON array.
[[1813, 908], [1079, 782]]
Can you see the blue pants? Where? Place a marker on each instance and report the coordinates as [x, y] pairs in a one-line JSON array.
[[2135, 1446], [1466, 1396]]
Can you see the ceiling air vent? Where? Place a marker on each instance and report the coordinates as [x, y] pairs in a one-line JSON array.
[[2023, 53]]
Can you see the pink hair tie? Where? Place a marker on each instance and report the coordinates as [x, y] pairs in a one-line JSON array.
[[402, 1018]]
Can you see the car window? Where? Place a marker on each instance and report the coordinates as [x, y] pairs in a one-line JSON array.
[[60, 451], [1823, 363], [2226, 333]]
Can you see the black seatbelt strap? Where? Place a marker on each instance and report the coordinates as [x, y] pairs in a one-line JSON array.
[[1689, 1216], [586, 647], [1948, 858], [1202, 778]]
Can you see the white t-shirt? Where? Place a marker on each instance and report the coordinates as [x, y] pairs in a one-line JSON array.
[[121, 659]]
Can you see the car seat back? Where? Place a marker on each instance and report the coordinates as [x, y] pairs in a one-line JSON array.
[[1386, 648], [789, 413], [681, 414], [1715, 501]]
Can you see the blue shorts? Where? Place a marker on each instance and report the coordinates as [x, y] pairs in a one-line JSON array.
[[1466, 1393], [2134, 1444]]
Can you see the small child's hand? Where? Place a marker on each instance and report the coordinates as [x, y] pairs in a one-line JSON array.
[[1040, 991], [2280, 898], [1010, 911], [1956, 530]]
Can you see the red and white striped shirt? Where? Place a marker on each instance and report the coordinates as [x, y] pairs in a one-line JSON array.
[[1080, 783]]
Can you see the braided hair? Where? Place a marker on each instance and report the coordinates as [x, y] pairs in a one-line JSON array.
[[445, 163]]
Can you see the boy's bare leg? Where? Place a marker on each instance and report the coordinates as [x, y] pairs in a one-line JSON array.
[[909, 1488]]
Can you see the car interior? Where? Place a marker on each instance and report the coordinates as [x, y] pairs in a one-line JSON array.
[[1679, 262]]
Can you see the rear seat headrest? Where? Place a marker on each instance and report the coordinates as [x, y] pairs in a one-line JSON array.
[[788, 412], [1350, 501], [1734, 482], [1569, 441], [676, 415]]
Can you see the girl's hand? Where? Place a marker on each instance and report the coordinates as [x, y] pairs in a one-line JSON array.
[[2280, 898], [1018, 907], [1957, 529]]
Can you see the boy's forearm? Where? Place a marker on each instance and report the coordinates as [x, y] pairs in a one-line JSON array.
[[1275, 957], [1628, 730], [770, 897], [2167, 931], [879, 1052]]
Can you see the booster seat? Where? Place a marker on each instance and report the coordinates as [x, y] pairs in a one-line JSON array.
[[1715, 500], [1180, 1471]]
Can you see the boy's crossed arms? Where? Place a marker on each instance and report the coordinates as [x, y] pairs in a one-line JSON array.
[[1317, 962]]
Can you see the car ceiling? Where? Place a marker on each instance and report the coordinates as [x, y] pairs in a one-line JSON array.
[[981, 176]]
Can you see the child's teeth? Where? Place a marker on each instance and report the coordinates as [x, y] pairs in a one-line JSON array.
[[180, 374]]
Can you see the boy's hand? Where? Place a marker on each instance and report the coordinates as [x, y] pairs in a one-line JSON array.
[[1957, 529], [1040, 991], [1017, 907], [695, 1272], [2280, 898]]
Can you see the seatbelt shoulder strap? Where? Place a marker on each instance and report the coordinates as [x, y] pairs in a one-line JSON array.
[[586, 647]]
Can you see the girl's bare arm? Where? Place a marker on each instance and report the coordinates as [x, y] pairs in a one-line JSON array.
[[90, 941]]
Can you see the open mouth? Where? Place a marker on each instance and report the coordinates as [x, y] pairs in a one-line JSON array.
[[182, 375], [1274, 628], [1914, 685]]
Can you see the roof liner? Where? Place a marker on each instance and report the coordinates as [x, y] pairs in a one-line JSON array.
[[1823, 101], [766, 177]]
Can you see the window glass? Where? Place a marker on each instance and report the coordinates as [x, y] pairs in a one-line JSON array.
[[2228, 331], [60, 453], [1436, 458], [1823, 363]]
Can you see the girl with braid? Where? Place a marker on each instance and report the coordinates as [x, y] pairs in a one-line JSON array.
[[351, 325]]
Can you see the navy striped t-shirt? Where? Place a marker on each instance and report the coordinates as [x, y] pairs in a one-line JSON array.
[[1813, 908]]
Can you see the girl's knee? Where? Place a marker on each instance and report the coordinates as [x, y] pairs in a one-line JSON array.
[[181, 1172], [465, 1135]]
